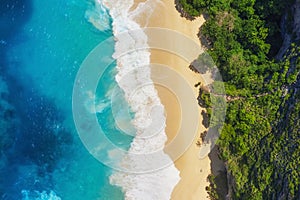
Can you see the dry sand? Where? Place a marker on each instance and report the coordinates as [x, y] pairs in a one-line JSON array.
[[193, 171]]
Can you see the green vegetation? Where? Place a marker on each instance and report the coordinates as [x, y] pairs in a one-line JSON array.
[[212, 188], [260, 140]]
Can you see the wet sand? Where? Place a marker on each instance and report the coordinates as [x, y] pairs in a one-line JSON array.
[[193, 171]]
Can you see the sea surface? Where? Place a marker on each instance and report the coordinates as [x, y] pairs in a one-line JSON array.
[[42, 45]]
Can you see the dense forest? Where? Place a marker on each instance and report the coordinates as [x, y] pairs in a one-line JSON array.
[[256, 46]]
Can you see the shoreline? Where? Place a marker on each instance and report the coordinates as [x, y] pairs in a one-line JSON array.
[[193, 172], [132, 71]]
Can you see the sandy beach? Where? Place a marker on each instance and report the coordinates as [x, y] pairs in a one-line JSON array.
[[193, 171]]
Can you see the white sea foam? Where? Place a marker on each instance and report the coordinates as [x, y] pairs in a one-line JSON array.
[[36, 195], [134, 72], [98, 16], [93, 105]]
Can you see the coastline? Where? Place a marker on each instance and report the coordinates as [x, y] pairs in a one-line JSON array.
[[132, 71], [193, 172]]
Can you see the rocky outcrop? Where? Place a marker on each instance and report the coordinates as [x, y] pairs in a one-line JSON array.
[[290, 28], [296, 9]]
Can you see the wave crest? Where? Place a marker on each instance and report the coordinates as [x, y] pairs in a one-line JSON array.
[[134, 71], [98, 16]]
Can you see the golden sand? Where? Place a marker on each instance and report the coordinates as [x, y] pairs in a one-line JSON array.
[[193, 171]]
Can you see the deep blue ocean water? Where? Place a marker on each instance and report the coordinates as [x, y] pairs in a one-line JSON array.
[[42, 44]]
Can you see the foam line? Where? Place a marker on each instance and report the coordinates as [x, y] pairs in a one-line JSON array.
[[134, 71]]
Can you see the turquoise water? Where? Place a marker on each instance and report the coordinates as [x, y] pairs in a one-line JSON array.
[[115, 113], [43, 44]]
